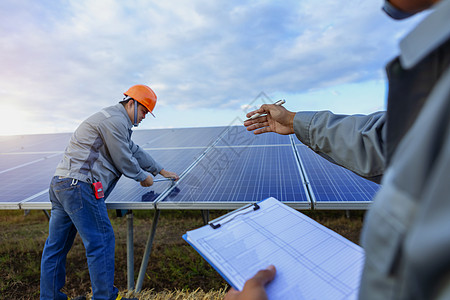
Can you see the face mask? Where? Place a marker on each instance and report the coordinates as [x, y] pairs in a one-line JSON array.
[[394, 12]]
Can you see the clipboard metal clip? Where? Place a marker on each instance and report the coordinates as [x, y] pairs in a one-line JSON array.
[[216, 223]]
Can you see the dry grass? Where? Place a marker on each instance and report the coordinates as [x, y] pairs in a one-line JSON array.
[[178, 295], [197, 294], [175, 270]]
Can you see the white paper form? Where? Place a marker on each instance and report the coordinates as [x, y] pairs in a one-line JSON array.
[[312, 261]]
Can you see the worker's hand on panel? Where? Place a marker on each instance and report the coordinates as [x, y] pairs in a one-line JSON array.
[[275, 118], [169, 174], [147, 182]]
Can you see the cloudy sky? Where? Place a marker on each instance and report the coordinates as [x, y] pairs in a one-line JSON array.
[[208, 61]]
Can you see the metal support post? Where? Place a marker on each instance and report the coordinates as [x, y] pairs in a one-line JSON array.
[[46, 214], [148, 250], [130, 251], [347, 214], [205, 216]]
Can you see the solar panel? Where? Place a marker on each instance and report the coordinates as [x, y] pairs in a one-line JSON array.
[[39, 200], [177, 138], [192, 142], [11, 161], [227, 177], [240, 167], [34, 143], [26, 180], [239, 136], [128, 194], [27, 163], [334, 187]]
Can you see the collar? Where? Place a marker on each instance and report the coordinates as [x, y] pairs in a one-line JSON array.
[[122, 109], [427, 36]]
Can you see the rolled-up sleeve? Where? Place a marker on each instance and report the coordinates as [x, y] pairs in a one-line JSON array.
[[355, 142], [145, 160]]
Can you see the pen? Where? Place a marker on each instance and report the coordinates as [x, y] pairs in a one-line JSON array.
[[279, 102]]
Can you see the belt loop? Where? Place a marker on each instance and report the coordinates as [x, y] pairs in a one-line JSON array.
[[74, 181]]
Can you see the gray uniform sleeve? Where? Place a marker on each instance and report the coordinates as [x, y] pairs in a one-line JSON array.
[[355, 142], [115, 137], [145, 160]]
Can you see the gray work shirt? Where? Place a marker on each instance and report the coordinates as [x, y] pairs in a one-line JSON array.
[[406, 232], [101, 149]]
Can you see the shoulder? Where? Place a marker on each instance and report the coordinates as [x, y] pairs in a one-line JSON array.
[[115, 115], [107, 121]]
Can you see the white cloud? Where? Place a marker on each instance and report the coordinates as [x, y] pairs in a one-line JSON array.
[[65, 60]]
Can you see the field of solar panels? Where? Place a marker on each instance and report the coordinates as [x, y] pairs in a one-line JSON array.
[[220, 168]]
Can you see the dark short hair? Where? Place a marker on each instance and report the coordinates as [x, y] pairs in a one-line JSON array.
[[128, 99]]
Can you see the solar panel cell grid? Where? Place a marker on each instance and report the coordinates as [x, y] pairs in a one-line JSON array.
[[242, 174], [333, 185]]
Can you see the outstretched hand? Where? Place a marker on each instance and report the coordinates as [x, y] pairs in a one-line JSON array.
[[276, 119], [254, 287]]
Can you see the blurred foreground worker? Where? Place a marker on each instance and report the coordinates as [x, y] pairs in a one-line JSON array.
[[406, 232], [99, 152]]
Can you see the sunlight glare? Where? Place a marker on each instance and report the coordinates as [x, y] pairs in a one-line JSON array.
[[14, 120]]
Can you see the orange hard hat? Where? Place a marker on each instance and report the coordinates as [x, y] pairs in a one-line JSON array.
[[144, 95]]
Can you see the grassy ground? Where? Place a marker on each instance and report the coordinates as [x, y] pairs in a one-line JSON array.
[[175, 270]]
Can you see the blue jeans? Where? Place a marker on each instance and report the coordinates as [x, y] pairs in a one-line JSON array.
[[75, 209]]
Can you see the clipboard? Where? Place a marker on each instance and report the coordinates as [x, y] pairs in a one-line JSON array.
[[312, 261]]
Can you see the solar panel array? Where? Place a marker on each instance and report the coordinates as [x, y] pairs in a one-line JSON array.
[[220, 168]]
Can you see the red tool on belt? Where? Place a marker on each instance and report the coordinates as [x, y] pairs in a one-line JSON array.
[[98, 190]]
